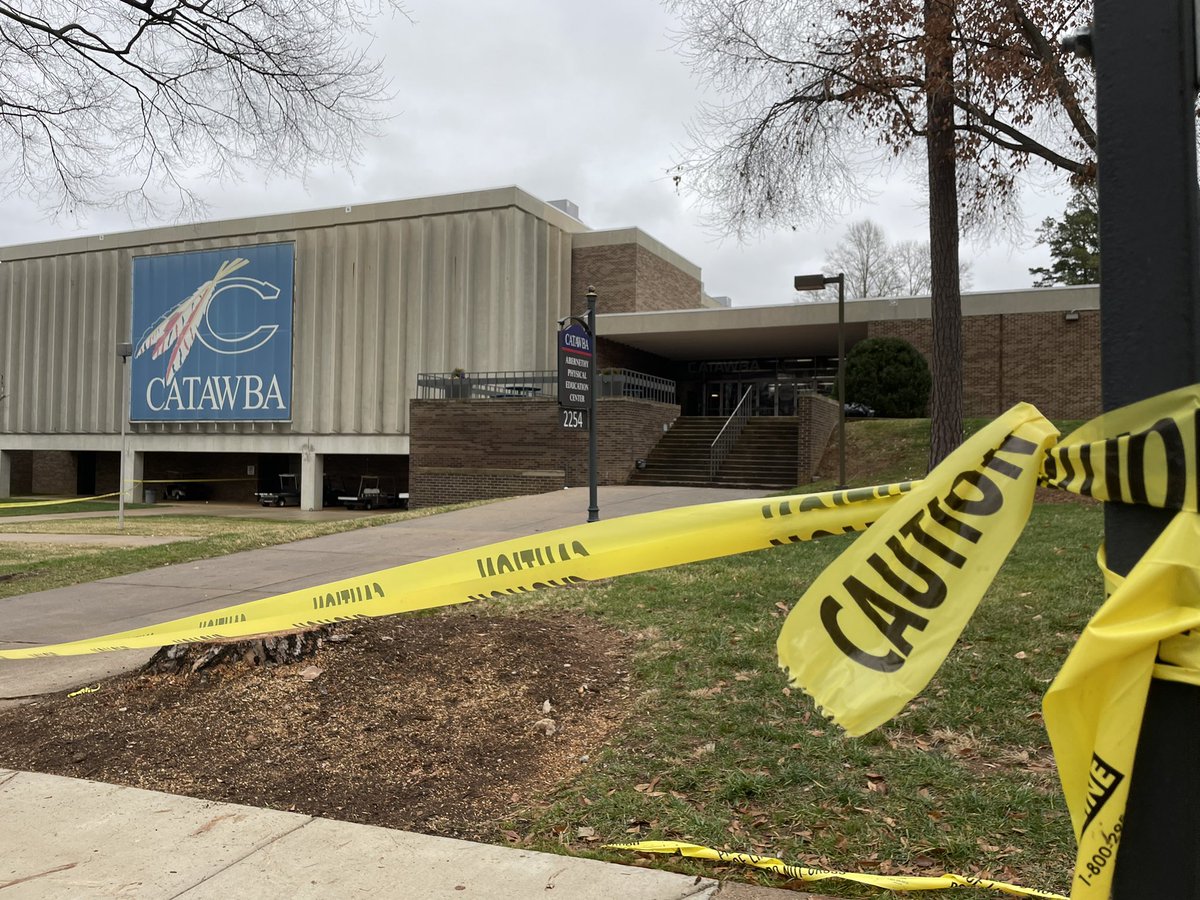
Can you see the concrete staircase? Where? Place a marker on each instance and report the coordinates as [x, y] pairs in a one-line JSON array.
[[765, 455]]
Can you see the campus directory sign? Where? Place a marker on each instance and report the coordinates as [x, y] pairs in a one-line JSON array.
[[574, 369], [212, 335]]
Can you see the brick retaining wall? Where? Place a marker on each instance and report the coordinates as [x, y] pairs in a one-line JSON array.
[[476, 449], [818, 418]]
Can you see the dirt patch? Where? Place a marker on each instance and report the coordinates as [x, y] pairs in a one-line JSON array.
[[432, 723], [1054, 495]]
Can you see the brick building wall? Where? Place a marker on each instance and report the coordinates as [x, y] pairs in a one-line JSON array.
[[661, 285], [612, 270], [817, 418], [629, 278], [53, 472], [475, 449], [1040, 358], [1061, 376], [439, 485]]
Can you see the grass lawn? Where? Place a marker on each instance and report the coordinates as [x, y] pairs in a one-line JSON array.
[[27, 568], [66, 507], [719, 752], [883, 451]]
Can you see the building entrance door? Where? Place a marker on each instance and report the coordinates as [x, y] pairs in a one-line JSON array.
[[768, 397]]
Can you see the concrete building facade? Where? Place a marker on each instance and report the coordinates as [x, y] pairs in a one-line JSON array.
[[346, 310]]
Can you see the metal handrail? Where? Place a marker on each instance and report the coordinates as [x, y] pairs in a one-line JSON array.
[[538, 385], [727, 437]]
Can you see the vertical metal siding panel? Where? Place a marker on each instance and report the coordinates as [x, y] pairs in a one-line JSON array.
[[86, 363], [502, 295], [115, 319], [466, 290], [546, 239], [487, 272], [412, 332], [337, 261], [367, 407], [347, 313], [394, 357], [23, 352], [516, 322], [8, 325], [307, 340], [507, 333], [72, 339], [565, 288], [101, 401], [35, 354], [433, 293], [332, 262], [56, 347], [560, 251], [462, 329], [529, 323]]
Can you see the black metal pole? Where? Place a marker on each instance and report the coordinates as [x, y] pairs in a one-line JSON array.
[[1149, 247], [841, 283], [593, 501]]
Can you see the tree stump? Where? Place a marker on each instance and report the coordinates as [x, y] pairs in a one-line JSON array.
[[266, 650]]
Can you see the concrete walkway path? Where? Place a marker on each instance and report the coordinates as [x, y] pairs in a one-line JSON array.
[[144, 598], [70, 838]]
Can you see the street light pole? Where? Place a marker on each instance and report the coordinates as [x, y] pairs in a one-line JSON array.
[[124, 350], [818, 283], [1145, 58], [841, 283], [593, 499]]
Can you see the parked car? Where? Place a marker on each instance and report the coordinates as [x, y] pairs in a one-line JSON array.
[[186, 489], [859, 410]]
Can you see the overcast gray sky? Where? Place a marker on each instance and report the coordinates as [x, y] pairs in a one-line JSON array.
[[586, 101]]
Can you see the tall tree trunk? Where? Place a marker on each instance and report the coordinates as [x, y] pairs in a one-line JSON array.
[[946, 401]]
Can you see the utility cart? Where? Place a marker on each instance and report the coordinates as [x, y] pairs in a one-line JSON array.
[[374, 493], [287, 495]]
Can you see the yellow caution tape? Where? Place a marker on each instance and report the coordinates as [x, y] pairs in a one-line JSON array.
[[873, 628], [1093, 710], [31, 503], [85, 690], [570, 555], [809, 874], [1142, 453]]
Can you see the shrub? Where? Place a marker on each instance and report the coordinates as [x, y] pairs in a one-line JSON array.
[[889, 375]]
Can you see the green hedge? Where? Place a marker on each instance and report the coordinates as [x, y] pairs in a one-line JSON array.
[[890, 376]]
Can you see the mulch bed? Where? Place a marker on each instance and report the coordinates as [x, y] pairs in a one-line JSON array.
[[431, 723]]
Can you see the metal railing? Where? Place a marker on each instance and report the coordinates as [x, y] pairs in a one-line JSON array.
[[637, 385], [728, 434], [460, 385], [538, 385]]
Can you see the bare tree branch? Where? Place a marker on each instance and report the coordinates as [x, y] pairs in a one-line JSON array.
[[118, 103]]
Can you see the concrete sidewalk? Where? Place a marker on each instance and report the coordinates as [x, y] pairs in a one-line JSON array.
[[65, 837], [144, 598]]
